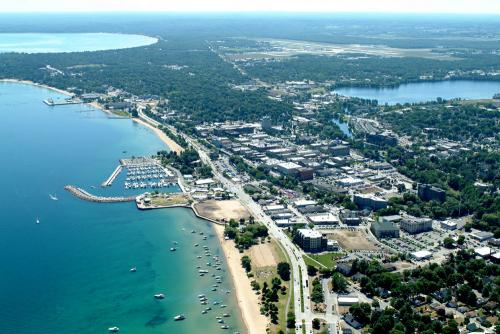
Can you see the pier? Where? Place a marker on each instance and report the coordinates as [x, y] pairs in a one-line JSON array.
[[82, 194], [52, 103], [112, 177]]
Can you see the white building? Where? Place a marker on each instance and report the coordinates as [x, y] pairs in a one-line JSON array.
[[421, 255], [347, 300]]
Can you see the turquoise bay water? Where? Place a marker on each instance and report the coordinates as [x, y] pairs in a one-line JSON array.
[[426, 91], [70, 273], [69, 42]]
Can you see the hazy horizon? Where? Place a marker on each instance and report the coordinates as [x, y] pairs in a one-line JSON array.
[[257, 6]]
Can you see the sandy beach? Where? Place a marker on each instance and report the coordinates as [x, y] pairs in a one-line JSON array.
[[160, 134], [27, 82], [248, 301]]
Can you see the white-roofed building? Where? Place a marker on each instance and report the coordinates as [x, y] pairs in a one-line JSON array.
[[482, 251], [421, 255]]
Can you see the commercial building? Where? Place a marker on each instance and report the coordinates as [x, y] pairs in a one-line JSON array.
[[311, 240], [481, 235], [415, 225], [381, 139], [369, 202], [324, 219], [427, 192], [448, 225], [385, 229], [347, 300], [339, 151]]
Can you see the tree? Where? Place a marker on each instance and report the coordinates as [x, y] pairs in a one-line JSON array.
[[339, 283], [461, 240], [290, 320], [448, 242], [246, 263], [284, 270], [316, 324], [362, 312], [311, 270]]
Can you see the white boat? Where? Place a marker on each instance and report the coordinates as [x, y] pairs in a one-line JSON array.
[[160, 296], [225, 315], [133, 270], [113, 329], [53, 197], [37, 220], [173, 249], [224, 327], [179, 317]]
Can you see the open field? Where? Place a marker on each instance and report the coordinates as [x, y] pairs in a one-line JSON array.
[[263, 255], [352, 239], [222, 210]]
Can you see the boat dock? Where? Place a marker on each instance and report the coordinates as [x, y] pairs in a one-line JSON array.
[[82, 194], [112, 177]]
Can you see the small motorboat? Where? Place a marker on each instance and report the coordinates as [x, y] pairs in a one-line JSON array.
[[159, 296], [173, 249], [224, 327], [133, 270], [113, 329], [37, 220], [226, 315], [179, 317]]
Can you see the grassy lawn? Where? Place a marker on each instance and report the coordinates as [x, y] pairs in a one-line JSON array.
[[326, 259], [301, 291]]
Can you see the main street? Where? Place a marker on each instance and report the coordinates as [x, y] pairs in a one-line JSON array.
[[292, 251]]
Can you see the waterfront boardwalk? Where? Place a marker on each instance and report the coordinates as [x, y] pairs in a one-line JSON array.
[[82, 194]]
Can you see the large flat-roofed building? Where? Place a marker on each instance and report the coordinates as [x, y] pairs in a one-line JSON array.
[[369, 202], [427, 192], [421, 255], [448, 225], [339, 151], [415, 225], [324, 219], [311, 240], [288, 168], [381, 139], [385, 229]]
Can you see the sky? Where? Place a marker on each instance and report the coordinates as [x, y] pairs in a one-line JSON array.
[[365, 6]]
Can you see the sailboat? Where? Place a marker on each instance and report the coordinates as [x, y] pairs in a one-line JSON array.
[[53, 197]]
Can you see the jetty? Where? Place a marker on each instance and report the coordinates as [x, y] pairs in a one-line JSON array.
[[112, 177], [83, 194]]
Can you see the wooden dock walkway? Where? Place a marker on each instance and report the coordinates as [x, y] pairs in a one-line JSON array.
[[82, 194]]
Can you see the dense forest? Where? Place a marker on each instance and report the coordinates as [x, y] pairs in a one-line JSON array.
[[370, 71], [459, 122]]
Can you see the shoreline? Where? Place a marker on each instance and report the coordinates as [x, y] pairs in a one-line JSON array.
[[169, 142], [172, 145], [248, 301]]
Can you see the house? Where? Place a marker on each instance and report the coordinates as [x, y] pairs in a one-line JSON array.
[[351, 321]]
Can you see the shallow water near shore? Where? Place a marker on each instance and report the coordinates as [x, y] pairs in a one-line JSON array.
[[70, 273]]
